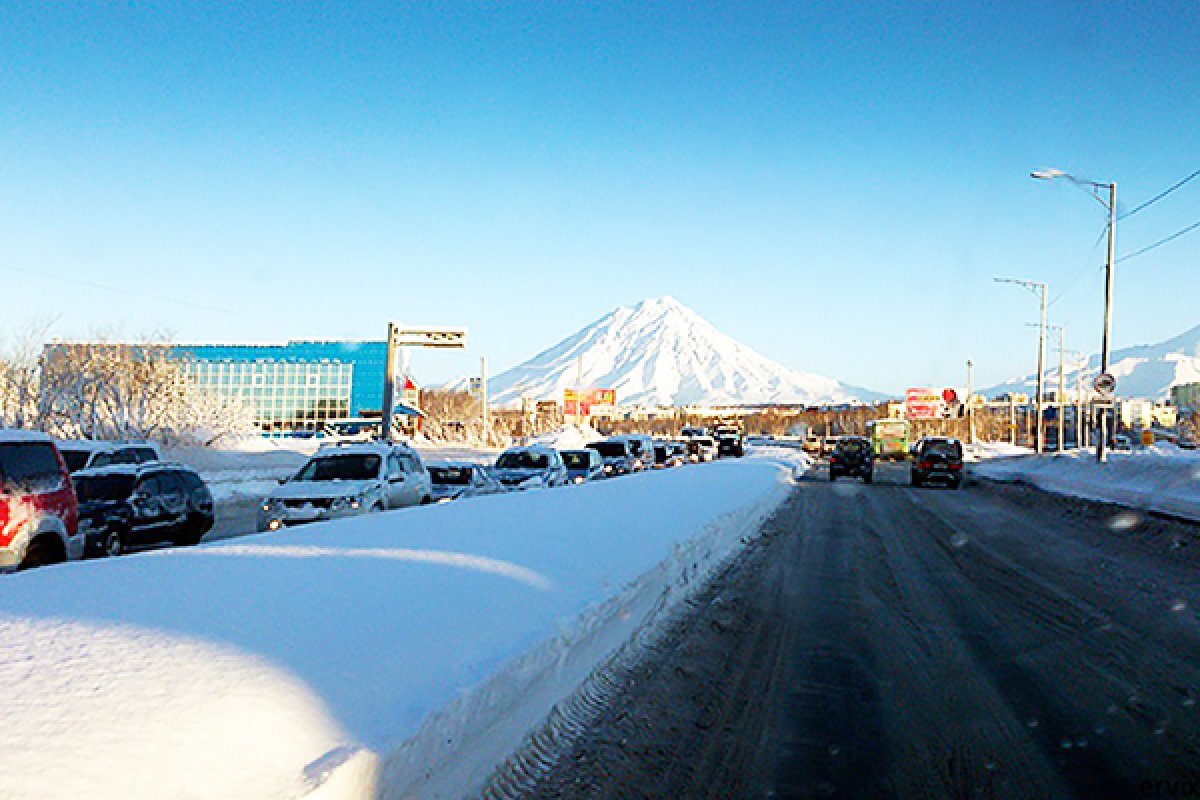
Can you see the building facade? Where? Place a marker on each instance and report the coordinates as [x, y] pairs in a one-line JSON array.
[[296, 386], [1186, 397]]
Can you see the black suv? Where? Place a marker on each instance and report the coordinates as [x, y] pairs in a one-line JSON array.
[[125, 505], [938, 458], [730, 442], [853, 455]]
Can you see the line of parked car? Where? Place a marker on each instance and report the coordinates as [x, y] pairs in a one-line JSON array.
[[67, 500], [352, 478], [61, 501]]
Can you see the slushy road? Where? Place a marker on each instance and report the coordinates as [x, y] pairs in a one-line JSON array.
[[886, 641]]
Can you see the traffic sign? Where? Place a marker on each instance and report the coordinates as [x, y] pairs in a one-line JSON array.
[[949, 396], [1105, 383]]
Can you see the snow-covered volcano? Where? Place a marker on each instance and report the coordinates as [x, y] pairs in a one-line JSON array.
[[1141, 371], [661, 353]]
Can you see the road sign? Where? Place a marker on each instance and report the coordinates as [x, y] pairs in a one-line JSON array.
[[579, 402], [475, 385], [1105, 383], [411, 336], [949, 396]]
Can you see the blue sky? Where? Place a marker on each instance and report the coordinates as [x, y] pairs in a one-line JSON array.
[[835, 185]]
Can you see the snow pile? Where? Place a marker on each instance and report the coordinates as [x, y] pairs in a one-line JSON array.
[[417, 647], [984, 451], [250, 468], [569, 437], [660, 353], [1160, 479]]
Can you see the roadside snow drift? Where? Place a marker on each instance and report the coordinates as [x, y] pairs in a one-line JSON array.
[[403, 654], [1163, 478]]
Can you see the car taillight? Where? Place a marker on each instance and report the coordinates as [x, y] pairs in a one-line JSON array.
[[924, 465], [955, 466], [833, 459]]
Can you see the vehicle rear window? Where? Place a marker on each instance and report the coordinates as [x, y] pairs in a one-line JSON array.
[[103, 487], [948, 449], [29, 467], [852, 445], [144, 454], [450, 476]]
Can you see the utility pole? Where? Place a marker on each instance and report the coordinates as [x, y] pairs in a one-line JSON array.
[[1034, 286], [485, 412], [970, 394], [1012, 419], [1062, 389], [389, 386]]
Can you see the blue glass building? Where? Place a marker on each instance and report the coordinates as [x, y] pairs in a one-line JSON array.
[[293, 386]]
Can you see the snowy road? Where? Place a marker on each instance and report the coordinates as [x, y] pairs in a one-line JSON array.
[[881, 641]]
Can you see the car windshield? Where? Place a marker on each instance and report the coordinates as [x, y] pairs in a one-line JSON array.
[[103, 487], [450, 476], [341, 467], [576, 459], [610, 449], [523, 459], [854, 446]]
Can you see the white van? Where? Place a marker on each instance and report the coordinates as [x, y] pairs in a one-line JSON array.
[[641, 447]]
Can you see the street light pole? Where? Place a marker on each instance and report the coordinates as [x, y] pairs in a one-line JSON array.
[[1034, 286], [970, 394], [1050, 174], [1102, 445]]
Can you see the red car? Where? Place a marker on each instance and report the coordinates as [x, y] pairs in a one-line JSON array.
[[39, 517]]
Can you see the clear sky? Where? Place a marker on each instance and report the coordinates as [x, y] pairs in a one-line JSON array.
[[833, 184]]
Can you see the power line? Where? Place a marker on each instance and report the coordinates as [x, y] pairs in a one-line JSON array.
[[117, 290], [1159, 196], [1160, 242]]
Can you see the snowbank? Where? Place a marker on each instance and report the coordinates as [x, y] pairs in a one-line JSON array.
[[569, 437], [1163, 478], [985, 451], [416, 647]]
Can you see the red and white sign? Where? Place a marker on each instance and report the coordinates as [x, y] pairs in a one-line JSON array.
[[949, 396], [922, 404], [579, 402]]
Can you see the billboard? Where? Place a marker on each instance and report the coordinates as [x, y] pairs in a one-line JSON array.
[[579, 402], [922, 404]]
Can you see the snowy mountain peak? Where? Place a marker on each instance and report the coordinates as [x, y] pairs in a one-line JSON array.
[[660, 352]]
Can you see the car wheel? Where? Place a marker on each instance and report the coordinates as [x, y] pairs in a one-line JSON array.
[[426, 500], [113, 545], [39, 554], [375, 509], [832, 477], [868, 477], [916, 481]]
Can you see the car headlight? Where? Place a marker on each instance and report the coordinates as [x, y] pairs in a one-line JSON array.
[[272, 505], [579, 479]]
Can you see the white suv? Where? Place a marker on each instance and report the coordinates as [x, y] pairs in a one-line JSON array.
[[346, 480]]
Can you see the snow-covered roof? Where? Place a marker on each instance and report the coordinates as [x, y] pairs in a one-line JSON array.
[[10, 435], [130, 469], [531, 448], [377, 448]]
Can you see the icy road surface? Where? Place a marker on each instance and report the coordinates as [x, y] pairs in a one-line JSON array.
[[881, 641]]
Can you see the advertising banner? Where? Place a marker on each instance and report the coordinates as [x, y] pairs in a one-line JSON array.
[[922, 404], [579, 402]]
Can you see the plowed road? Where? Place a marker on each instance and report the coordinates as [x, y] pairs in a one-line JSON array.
[[885, 641]]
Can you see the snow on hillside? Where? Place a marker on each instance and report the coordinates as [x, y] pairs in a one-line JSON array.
[[661, 353], [1142, 371]]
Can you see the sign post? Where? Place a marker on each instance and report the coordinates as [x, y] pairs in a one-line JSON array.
[[410, 336]]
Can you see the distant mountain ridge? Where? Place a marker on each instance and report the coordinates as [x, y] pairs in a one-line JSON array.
[[1148, 370], [661, 353]]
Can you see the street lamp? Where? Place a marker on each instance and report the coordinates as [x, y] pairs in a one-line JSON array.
[[1111, 205], [1034, 286]]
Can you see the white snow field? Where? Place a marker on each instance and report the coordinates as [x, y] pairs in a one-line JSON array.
[[1162, 478], [399, 655]]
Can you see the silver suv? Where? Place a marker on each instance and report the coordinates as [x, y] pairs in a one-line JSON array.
[[346, 480]]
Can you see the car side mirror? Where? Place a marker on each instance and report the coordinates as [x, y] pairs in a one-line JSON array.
[[396, 478]]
